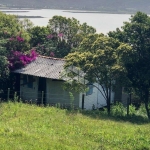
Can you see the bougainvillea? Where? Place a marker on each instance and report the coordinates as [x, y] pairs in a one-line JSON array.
[[18, 41], [18, 59], [53, 46], [52, 54]]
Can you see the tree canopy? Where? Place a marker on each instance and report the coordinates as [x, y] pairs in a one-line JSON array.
[[101, 62], [136, 33]]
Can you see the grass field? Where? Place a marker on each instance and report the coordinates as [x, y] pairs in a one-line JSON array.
[[29, 127]]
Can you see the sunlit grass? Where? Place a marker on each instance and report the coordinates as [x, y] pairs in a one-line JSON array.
[[29, 127]]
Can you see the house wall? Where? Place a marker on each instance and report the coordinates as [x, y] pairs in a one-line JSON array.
[[28, 93], [95, 100], [55, 94], [125, 97], [118, 92]]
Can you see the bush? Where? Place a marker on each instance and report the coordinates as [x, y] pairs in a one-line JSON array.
[[142, 111], [118, 110], [132, 110]]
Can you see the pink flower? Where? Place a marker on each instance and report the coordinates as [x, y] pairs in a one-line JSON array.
[[11, 39], [50, 36], [60, 34], [16, 53], [52, 54], [20, 39], [17, 59]]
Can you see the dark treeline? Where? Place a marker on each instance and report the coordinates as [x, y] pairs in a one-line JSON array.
[[116, 6]]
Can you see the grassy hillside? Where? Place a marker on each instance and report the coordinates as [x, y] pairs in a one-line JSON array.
[[26, 127]]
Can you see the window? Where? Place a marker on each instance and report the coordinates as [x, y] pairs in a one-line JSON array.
[[90, 90], [30, 81], [24, 79]]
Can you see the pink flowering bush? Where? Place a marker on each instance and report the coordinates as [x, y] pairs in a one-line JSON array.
[[60, 35], [53, 46], [17, 42], [49, 36], [18, 60], [52, 54], [19, 39]]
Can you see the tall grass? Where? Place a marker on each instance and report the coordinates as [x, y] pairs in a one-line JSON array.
[[29, 127]]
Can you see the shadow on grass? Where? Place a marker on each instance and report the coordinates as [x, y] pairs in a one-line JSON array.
[[96, 114]]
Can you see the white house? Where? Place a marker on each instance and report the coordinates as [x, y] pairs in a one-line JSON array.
[[41, 82]]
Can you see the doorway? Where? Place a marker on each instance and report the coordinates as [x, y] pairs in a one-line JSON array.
[[42, 91]]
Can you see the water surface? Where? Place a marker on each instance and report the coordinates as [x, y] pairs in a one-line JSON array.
[[101, 21]]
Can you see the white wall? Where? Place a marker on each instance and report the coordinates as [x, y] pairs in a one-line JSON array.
[[27, 93], [95, 100], [56, 94]]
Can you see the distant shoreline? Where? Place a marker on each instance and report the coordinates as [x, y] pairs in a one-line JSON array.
[[20, 11], [99, 12], [69, 11], [24, 10], [15, 10], [19, 16]]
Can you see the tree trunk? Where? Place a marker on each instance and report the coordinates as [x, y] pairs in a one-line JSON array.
[[147, 110], [108, 106], [108, 100], [146, 103]]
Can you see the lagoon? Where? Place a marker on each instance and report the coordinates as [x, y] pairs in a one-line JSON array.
[[103, 22]]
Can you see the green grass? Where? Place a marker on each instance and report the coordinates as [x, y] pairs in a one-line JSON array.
[[29, 127]]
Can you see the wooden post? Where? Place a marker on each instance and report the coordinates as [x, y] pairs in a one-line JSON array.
[[8, 93], [15, 97], [128, 107], [129, 98], [42, 97], [82, 101]]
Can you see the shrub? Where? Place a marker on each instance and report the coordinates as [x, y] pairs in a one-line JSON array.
[[118, 110], [142, 111], [17, 59], [132, 110]]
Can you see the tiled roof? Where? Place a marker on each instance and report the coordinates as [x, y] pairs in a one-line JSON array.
[[47, 67]]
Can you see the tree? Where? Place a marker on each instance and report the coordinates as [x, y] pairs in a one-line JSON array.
[[68, 27], [20, 42], [4, 71], [71, 31], [9, 24], [13, 32], [100, 63], [47, 43], [26, 24], [86, 29], [38, 35], [137, 34], [12, 37]]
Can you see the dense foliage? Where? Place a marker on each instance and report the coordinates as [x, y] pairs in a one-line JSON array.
[[18, 60], [100, 63], [136, 33], [13, 37]]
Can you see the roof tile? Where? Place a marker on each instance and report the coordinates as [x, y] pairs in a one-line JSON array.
[[47, 67]]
